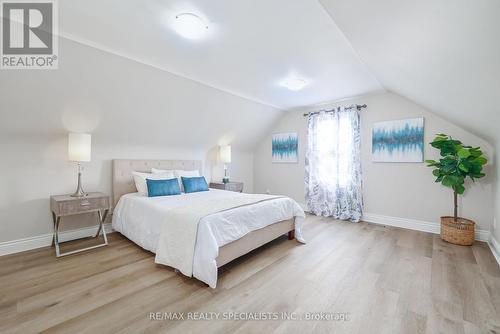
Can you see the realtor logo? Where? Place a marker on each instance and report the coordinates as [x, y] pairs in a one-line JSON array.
[[29, 35]]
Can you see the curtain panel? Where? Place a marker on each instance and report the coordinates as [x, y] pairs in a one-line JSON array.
[[333, 177]]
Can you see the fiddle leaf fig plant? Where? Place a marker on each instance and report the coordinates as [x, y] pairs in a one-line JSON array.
[[457, 163]]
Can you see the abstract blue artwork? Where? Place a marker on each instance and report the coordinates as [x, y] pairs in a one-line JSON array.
[[285, 147], [398, 141]]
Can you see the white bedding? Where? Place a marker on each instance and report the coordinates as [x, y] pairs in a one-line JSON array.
[[140, 219]]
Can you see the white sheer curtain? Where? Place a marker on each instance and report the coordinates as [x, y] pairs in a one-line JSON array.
[[333, 165]]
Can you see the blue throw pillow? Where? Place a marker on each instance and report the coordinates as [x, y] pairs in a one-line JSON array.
[[163, 187], [194, 184]]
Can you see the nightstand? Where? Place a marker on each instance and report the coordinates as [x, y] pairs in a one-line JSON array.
[[231, 186], [65, 205]]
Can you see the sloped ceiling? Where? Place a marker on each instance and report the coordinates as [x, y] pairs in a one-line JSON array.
[[121, 101], [444, 55], [251, 45]]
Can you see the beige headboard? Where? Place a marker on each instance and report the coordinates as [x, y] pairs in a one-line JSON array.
[[123, 182]]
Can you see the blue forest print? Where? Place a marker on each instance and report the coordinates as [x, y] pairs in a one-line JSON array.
[[398, 141], [285, 147]]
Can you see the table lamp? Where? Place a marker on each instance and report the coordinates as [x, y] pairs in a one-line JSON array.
[[79, 148], [225, 158]]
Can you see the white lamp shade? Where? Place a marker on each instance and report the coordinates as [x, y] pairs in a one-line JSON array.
[[79, 147], [225, 154]]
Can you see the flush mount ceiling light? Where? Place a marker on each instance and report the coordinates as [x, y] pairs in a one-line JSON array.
[[294, 84], [190, 26]]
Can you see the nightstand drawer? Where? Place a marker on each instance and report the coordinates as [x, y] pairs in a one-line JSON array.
[[85, 204], [80, 205]]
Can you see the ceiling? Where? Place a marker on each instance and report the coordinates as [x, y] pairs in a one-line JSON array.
[[444, 55], [252, 45]]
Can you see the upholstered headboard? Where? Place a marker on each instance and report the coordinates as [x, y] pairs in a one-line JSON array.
[[123, 182]]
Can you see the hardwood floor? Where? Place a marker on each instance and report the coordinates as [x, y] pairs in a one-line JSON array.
[[386, 280]]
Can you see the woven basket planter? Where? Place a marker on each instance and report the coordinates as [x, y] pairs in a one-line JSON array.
[[460, 232]]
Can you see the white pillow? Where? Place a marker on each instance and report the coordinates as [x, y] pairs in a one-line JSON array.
[[140, 180], [186, 173], [159, 171]]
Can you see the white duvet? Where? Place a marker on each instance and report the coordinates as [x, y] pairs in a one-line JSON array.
[[140, 219]]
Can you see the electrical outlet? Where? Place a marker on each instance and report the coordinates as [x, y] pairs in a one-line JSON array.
[[268, 191]]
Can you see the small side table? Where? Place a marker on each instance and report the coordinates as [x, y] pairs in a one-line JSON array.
[[65, 205], [231, 186]]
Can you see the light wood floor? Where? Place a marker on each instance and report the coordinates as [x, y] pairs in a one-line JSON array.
[[388, 280]]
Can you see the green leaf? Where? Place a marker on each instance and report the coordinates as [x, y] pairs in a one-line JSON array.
[[436, 172], [452, 180], [481, 160], [475, 168], [463, 153], [449, 169], [460, 189], [448, 148], [447, 181], [438, 144], [441, 137], [463, 167], [449, 160], [476, 152], [432, 163]]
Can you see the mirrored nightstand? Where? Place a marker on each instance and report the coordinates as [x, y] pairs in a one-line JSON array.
[[65, 205]]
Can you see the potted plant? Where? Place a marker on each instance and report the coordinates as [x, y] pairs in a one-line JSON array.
[[457, 163]]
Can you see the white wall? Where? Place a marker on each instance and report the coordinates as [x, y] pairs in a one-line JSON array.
[[495, 228], [36, 168], [133, 111], [404, 190]]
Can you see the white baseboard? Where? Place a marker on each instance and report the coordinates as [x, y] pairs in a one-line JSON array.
[[495, 248], [21, 245], [414, 224]]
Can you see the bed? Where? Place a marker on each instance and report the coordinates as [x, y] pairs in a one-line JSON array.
[[221, 236]]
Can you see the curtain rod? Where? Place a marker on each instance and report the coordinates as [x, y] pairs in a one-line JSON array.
[[357, 106]]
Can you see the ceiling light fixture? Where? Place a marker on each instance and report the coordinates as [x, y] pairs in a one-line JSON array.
[[190, 26], [295, 84]]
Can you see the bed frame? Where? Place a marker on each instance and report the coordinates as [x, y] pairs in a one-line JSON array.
[[123, 183]]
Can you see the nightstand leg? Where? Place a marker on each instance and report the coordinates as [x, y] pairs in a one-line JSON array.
[[56, 234], [102, 218], [54, 229]]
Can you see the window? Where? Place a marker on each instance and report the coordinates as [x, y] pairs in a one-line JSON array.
[[334, 148], [333, 164]]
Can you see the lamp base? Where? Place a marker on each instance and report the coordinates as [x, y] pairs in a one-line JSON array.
[[225, 179], [79, 189], [79, 194]]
